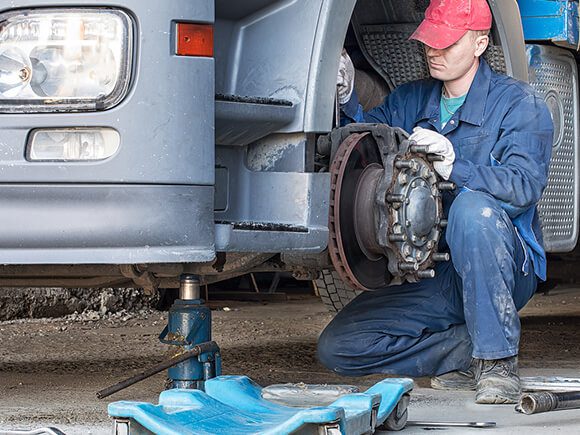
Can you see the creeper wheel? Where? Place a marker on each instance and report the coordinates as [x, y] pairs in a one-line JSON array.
[[397, 420]]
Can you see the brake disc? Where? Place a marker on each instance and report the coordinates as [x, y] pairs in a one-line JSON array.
[[385, 210]]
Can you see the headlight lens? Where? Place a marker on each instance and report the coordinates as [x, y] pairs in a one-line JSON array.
[[64, 60]]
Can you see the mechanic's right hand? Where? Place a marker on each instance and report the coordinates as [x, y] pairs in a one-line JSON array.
[[438, 144], [345, 78]]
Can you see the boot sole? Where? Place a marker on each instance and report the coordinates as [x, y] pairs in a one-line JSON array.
[[495, 398], [438, 384]]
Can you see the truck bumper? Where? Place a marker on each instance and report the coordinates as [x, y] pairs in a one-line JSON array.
[[105, 224]]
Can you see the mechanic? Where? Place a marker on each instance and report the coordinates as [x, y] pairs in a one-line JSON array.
[[495, 134]]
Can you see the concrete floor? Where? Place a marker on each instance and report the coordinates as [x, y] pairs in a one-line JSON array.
[[51, 369]]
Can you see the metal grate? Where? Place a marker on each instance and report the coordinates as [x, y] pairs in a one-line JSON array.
[[389, 47], [554, 75], [400, 60], [495, 58]]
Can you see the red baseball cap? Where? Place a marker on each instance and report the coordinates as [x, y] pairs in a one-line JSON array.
[[446, 21]]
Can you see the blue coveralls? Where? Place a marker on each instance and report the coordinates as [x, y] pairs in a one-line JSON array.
[[502, 136]]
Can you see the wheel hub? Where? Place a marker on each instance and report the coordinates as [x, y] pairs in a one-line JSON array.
[[386, 212]]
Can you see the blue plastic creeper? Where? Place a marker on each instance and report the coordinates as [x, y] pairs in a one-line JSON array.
[[234, 404]]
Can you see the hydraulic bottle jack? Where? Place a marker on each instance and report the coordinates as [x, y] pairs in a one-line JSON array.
[[196, 358], [189, 326]]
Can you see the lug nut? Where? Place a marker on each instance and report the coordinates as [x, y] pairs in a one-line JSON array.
[[408, 267], [435, 158], [441, 256], [426, 274], [419, 149], [446, 185], [406, 164], [397, 238], [395, 197]]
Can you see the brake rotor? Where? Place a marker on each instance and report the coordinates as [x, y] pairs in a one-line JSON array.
[[385, 212], [358, 266]]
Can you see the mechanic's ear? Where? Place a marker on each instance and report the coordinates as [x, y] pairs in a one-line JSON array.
[[481, 43]]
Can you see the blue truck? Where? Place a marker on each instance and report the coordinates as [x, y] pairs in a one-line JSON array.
[[141, 140]]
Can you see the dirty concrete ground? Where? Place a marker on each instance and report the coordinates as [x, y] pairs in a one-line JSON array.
[[17, 303], [50, 369]]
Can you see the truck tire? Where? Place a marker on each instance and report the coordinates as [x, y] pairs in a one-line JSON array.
[[335, 294]]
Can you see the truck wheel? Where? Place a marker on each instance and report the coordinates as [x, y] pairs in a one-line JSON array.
[[335, 294]]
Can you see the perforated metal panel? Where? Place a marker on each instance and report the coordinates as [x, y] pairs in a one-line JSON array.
[[554, 75]]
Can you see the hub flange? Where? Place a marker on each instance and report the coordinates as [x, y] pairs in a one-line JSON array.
[[385, 208]]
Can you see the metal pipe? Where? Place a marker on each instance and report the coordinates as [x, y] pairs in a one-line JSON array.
[[210, 346], [534, 403], [555, 384], [189, 288]]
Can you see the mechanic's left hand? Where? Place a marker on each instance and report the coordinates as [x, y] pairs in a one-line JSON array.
[[345, 78], [438, 144]]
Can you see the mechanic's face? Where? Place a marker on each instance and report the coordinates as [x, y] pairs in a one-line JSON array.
[[456, 61]]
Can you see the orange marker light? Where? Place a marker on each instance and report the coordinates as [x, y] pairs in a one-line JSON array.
[[194, 39]]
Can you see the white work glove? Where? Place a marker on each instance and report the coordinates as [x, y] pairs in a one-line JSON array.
[[345, 78], [438, 144]]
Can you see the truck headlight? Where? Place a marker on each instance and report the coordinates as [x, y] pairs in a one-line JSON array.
[[55, 60]]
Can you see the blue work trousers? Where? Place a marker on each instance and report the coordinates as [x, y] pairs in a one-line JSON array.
[[470, 309]]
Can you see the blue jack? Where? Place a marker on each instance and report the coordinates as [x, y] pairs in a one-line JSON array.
[[189, 325]]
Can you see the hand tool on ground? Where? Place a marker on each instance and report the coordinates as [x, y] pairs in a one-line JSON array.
[[473, 424], [41, 431]]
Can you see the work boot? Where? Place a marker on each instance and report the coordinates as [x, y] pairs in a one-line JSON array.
[[499, 381], [458, 380]]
